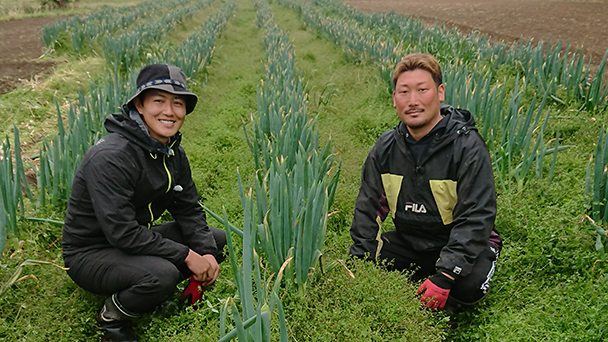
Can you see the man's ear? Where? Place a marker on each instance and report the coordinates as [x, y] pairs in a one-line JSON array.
[[138, 105], [441, 92]]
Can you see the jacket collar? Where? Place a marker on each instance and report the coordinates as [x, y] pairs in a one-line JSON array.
[[459, 120]]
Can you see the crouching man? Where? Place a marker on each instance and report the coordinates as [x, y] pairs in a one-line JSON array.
[[433, 174], [123, 184]]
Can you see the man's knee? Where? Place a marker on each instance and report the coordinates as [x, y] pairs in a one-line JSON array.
[[456, 305], [219, 235], [160, 279], [469, 293], [474, 287]]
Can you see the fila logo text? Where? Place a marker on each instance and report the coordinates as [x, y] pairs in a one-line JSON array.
[[415, 207]]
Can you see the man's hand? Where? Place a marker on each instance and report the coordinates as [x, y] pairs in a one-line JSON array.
[[204, 267], [436, 295]]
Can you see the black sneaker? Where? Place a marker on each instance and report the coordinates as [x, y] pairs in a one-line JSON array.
[[116, 330]]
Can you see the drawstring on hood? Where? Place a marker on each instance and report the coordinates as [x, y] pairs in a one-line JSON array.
[[463, 130]]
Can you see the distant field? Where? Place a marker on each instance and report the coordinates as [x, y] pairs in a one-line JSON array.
[[580, 22], [21, 23]]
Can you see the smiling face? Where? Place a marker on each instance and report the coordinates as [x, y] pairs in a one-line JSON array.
[[162, 112], [417, 100]]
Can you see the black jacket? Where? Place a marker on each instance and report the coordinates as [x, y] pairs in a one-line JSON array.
[[125, 182], [446, 201]]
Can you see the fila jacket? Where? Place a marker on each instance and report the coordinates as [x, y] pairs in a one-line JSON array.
[[445, 202], [124, 183]]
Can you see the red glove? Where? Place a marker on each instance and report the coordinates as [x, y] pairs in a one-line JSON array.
[[435, 296], [193, 292]]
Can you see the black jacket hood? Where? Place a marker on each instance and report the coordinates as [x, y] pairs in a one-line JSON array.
[[129, 124], [459, 120]]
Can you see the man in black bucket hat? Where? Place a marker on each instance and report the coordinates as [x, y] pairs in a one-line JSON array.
[[124, 183]]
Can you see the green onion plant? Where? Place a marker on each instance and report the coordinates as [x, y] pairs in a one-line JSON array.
[[596, 189], [13, 184], [296, 180], [257, 298], [127, 50]]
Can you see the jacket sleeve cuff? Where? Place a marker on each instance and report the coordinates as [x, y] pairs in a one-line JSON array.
[[183, 254], [441, 280]]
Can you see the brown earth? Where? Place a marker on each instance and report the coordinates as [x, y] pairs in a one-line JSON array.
[[583, 24], [20, 48]]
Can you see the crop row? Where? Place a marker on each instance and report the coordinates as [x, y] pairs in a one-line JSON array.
[[294, 186], [257, 297], [81, 33]]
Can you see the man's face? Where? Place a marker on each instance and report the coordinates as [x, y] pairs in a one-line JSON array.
[[162, 112], [417, 100]]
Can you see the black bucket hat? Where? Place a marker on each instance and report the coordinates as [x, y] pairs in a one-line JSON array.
[[164, 77]]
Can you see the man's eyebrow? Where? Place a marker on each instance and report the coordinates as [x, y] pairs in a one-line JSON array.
[[417, 84]]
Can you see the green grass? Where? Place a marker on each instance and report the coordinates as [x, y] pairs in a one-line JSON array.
[[375, 305], [548, 285], [213, 135]]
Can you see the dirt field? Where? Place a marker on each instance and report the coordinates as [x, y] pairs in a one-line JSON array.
[[20, 47], [581, 23]]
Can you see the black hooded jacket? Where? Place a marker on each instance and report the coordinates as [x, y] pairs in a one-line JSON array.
[[125, 182], [445, 201]]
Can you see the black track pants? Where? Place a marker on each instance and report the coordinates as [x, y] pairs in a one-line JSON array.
[[467, 290], [141, 282]]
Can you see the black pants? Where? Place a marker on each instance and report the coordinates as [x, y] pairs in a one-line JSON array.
[[141, 282], [466, 290]]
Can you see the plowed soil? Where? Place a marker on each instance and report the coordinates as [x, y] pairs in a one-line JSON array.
[[20, 49], [582, 23]]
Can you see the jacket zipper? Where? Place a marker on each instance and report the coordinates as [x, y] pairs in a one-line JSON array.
[[169, 178], [168, 173]]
